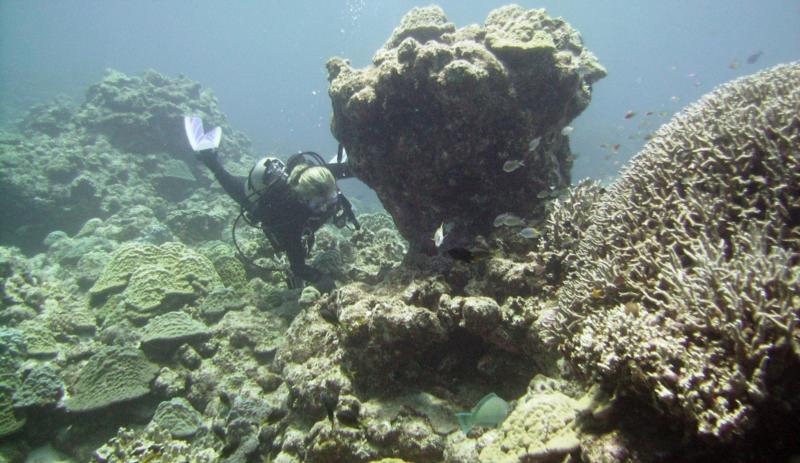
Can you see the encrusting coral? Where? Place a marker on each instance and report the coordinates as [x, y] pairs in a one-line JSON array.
[[151, 277], [112, 375], [689, 281], [448, 107]]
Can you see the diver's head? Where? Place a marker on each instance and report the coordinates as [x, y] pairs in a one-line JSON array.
[[315, 185], [263, 174]]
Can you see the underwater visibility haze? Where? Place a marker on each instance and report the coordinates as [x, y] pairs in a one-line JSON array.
[[388, 231]]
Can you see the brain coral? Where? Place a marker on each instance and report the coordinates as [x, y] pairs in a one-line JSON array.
[[112, 375], [447, 108], [153, 276], [689, 284]]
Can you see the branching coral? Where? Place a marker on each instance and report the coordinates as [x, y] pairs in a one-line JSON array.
[[689, 281]]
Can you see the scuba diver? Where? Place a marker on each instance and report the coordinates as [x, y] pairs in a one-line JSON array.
[[289, 202]]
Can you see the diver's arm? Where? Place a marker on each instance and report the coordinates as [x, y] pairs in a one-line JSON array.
[[232, 185], [297, 262]]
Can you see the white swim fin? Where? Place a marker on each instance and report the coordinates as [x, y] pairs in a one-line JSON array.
[[197, 138], [334, 159]]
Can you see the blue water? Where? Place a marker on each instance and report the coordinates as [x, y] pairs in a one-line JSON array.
[[265, 60]]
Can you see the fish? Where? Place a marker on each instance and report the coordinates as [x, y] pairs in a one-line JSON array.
[[567, 130], [529, 233], [648, 113], [491, 410], [512, 220], [534, 144], [499, 221], [512, 165], [734, 64], [438, 235], [629, 114], [615, 147], [675, 98], [754, 57]]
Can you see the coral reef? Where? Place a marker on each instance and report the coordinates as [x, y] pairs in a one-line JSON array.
[[140, 335], [688, 284], [450, 106], [123, 147]]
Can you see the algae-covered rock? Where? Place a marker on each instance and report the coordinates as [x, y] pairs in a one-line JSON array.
[[112, 375], [178, 417], [152, 277], [166, 332], [450, 106]]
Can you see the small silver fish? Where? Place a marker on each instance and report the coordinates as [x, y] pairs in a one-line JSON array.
[[512, 165], [567, 130], [500, 219], [438, 235], [534, 144], [512, 220], [529, 233]]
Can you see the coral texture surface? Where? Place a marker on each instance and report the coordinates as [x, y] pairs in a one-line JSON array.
[[431, 123]]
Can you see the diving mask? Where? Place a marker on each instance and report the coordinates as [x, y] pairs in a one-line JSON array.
[[322, 204]]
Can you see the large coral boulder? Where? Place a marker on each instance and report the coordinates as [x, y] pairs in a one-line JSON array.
[[431, 123], [688, 283]]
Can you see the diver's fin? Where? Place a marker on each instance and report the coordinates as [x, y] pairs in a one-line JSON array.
[[340, 157], [197, 138]]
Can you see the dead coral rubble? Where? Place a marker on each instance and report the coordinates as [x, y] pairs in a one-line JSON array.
[[448, 107]]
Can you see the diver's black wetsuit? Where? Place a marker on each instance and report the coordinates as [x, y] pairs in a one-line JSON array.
[[283, 216]]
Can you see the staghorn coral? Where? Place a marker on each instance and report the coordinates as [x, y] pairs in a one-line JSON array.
[[689, 281], [449, 106], [114, 374]]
